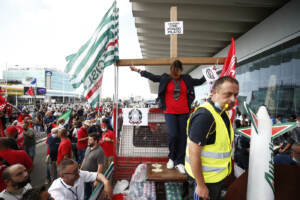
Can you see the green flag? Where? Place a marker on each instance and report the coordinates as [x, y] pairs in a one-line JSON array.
[[66, 116], [85, 68]]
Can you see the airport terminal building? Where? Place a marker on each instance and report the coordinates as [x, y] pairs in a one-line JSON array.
[[267, 38], [51, 85]]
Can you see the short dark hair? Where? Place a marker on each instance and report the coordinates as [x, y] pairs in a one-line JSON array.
[[34, 193], [105, 121], [6, 174], [78, 124], [64, 163], [176, 65], [5, 143], [63, 131], [93, 135], [222, 80]]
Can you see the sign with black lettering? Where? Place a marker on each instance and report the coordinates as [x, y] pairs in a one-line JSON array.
[[174, 28]]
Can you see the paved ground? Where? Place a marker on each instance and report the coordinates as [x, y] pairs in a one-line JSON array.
[[38, 174]]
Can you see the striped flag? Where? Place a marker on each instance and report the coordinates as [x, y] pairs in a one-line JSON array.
[[86, 67]]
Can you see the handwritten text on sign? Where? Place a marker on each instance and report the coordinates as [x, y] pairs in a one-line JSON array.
[[175, 27]]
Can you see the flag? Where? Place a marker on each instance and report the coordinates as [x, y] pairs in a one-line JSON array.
[[229, 65], [30, 91], [229, 70], [66, 116], [33, 82], [87, 65]]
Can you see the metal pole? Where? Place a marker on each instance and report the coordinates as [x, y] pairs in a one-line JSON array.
[[63, 89], [6, 82], [116, 96]]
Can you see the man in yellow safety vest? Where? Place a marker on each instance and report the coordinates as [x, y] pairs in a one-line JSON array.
[[209, 142]]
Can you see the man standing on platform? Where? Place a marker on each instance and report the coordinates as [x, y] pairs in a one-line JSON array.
[[209, 143]]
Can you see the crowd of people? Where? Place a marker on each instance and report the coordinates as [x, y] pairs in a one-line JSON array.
[[81, 145], [79, 150]]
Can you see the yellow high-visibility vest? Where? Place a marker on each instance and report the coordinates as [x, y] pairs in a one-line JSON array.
[[215, 158]]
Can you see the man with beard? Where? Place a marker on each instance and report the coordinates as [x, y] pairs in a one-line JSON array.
[[17, 180], [70, 185], [8, 157], [93, 162]]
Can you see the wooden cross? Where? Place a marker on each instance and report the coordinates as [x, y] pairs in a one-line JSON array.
[[173, 54]]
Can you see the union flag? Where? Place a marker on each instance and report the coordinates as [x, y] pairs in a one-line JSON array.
[[229, 70]]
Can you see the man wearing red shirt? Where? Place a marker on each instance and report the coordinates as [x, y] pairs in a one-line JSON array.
[[82, 140], [9, 157], [65, 146], [107, 144]]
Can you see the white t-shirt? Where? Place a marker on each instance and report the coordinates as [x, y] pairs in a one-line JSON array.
[[8, 196], [59, 190]]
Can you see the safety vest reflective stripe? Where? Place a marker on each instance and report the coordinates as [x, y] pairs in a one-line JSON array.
[[212, 169], [207, 168], [215, 154]]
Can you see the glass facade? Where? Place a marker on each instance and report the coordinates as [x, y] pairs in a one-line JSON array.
[[22, 74], [271, 79], [59, 80]]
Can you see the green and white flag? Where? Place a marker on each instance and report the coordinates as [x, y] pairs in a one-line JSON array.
[[66, 116], [86, 67]]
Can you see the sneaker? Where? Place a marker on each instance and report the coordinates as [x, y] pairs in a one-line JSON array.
[[170, 164], [180, 168]]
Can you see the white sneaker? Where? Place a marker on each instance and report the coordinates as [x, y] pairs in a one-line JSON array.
[[170, 164], [180, 168]]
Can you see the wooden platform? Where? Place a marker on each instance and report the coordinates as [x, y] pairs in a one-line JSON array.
[[166, 175]]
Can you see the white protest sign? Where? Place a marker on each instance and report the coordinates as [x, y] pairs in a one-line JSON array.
[[174, 28], [210, 75], [135, 116]]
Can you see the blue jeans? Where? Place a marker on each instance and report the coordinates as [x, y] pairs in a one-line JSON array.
[[176, 124], [81, 153], [30, 150]]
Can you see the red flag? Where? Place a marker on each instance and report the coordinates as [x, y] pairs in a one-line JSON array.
[[229, 65], [229, 70], [30, 91]]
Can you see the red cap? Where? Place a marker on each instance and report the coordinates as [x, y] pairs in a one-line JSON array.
[[11, 130]]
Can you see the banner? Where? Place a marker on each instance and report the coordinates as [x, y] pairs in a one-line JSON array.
[[87, 65], [135, 116], [210, 75]]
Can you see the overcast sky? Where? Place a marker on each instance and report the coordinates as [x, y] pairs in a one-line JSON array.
[[38, 33]]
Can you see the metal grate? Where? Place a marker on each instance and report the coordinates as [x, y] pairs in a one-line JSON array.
[[145, 141]]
